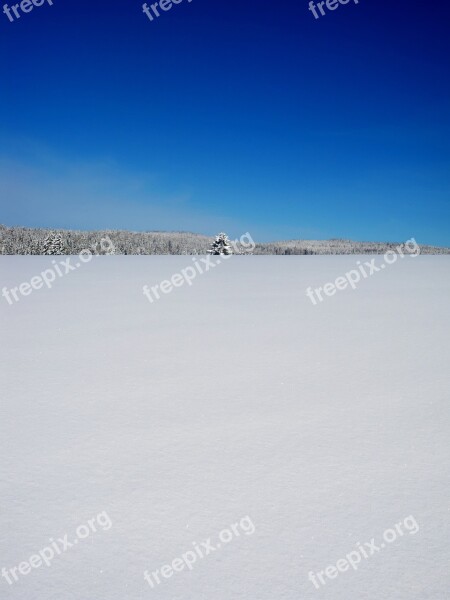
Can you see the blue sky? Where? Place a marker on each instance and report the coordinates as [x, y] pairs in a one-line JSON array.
[[229, 115]]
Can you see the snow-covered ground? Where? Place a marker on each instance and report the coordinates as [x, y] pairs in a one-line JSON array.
[[235, 397]]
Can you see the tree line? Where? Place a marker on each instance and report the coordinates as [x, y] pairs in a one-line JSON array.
[[32, 241]]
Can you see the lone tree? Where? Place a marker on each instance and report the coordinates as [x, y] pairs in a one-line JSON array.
[[221, 246], [53, 244]]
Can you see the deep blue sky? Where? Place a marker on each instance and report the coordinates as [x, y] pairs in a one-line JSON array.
[[229, 115]]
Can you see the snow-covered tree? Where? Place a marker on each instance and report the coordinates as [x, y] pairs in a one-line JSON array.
[[221, 246], [53, 244]]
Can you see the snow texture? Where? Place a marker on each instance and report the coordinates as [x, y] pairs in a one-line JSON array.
[[236, 396]]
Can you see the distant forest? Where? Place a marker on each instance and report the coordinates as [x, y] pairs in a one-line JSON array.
[[23, 240]]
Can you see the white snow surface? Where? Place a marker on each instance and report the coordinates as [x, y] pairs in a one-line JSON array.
[[234, 397]]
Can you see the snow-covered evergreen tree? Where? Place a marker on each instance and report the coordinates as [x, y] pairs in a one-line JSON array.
[[46, 246], [221, 246], [53, 244]]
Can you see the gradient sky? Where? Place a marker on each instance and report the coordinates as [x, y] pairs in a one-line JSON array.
[[229, 115]]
